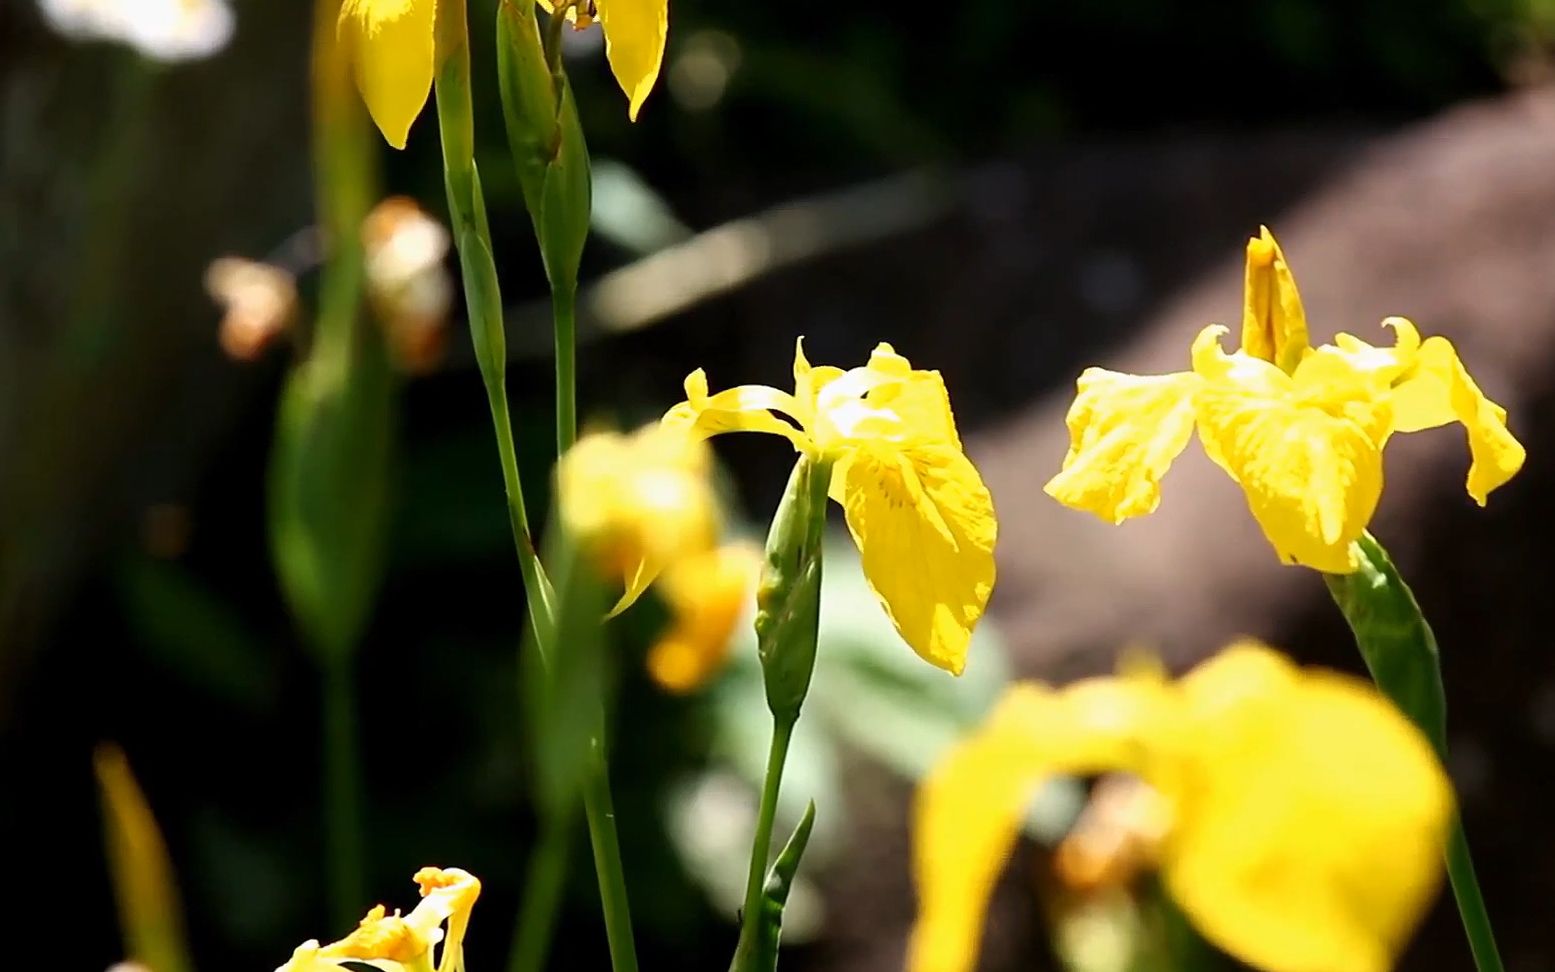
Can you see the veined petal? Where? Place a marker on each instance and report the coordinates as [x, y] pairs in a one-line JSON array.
[[743, 408], [925, 527], [634, 44], [1439, 390], [393, 46], [1274, 325], [1312, 478], [1124, 432], [1312, 835]]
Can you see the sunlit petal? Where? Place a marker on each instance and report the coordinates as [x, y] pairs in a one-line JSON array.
[[393, 45], [925, 526], [1124, 432], [634, 44], [1274, 326]]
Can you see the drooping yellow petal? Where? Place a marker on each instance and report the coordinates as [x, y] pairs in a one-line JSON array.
[[969, 809], [1311, 467], [1274, 325], [925, 528], [966, 816], [743, 408], [635, 31], [393, 46], [1439, 390], [1124, 432], [706, 595], [1311, 836]]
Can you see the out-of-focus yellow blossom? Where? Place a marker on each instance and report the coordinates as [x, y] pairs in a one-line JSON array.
[[395, 943], [393, 46], [1301, 429], [1300, 822], [635, 31], [707, 595], [638, 503], [915, 504]]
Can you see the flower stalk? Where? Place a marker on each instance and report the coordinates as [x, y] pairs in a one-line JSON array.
[[788, 603], [1400, 651]]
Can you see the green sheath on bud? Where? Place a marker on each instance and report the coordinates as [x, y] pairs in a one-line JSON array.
[[788, 600], [546, 140]]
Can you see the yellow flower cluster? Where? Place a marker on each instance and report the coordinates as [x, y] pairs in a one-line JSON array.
[[1299, 823], [1301, 429]]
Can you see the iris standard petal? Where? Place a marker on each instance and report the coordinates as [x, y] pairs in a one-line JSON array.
[[393, 46], [634, 44], [925, 527], [743, 408], [1439, 390], [1274, 325], [1124, 432], [1317, 817]]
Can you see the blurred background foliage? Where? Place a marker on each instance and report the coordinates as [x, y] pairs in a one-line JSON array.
[[137, 599]]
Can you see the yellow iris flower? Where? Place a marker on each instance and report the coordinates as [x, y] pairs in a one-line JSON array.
[[393, 46], [1301, 429], [1301, 816], [635, 31], [392, 943], [643, 507], [916, 506]]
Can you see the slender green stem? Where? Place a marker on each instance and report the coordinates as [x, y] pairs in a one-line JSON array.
[[536, 585], [600, 811], [1471, 902], [542, 895], [761, 846], [342, 793], [564, 303]]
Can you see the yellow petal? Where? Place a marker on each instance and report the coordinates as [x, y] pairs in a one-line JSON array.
[[1310, 840], [1124, 432], [968, 811], [706, 595], [1274, 326], [1439, 390], [1310, 465], [743, 408], [634, 44], [966, 816], [925, 526], [393, 45]]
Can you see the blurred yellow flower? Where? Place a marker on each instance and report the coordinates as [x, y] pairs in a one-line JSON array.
[[707, 595], [915, 504], [1301, 429], [635, 31], [1300, 823], [638, 503], [392, 943], [393, 46]]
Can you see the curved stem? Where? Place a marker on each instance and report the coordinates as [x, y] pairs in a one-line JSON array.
[[761, 846], [1471, 902]]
